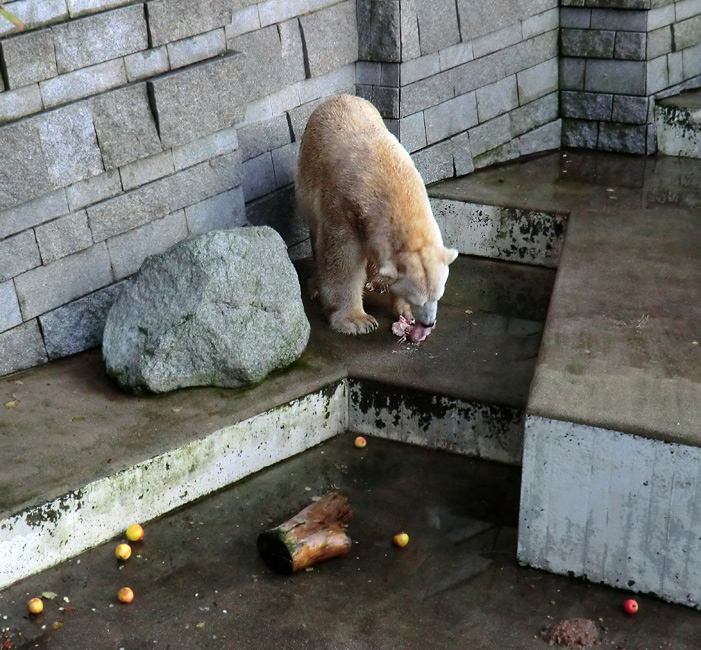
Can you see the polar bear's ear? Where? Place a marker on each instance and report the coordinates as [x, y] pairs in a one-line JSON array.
[[450, 255], [388, 270]]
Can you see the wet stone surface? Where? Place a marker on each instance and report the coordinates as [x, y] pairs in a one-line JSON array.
[[199, 582]]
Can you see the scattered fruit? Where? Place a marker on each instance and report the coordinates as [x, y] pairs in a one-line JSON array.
[[125, 595], [35, 606], [123, 552], [401, 540], [360, 442], [135, 533], [630, 607]]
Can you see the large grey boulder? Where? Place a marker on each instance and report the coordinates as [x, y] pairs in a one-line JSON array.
[[222, 309]]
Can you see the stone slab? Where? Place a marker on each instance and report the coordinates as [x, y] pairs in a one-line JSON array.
[[10, 315], [63, 236], [29, 58], [21, 347]]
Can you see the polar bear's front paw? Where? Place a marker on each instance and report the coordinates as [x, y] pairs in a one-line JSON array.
[[357, 323]]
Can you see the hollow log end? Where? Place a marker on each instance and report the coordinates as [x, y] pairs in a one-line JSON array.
[[275, 553]]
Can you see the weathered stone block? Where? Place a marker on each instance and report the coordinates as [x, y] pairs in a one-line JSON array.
[[130, 249], [34, 14], [29, 58], [285, 163], [299, 117], [497, 98], [631, 110], [579, 134], [586, 106], [258, 177], [69, 144], [489, 135], [274, 58], [368, 73], [145, 170], [78, 325], [10, 315], [260, 137], [657, 75], [211, 146], [221, 212], [538, 81], [421, 68], [575, 17], [243, 21], [196, 48], [23, 170], [541, 23], [659, 42], [610, 76], [82, 83], [386, 100], [588, 43], [32, 213], [427, 92], [544, 138], [379, 37], [480, 18], [535, 114], [409, 21], [21, 347], [687, 33], [124, 125], [83, 7], [15, 104], [47, 287], [18, 254], [451, 117], [455, 55], [149, 63], [660, 16], [572, 73], [619, 19], [435, 162], [623, 138], [462, 154], [412, 132], [64, 236], [437, 25], [98, 38], [94, 189], [691, 61], [331, 38], [199, 100], [675, 68], [499, 40], [277, 210], [630, 46], [390, 74]]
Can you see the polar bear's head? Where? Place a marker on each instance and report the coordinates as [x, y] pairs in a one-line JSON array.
[[419, 277]]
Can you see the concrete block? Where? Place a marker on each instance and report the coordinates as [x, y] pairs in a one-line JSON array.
[[221, 212], [211, 146], [541, 23], [491, 134], [659, 42], [173, 20], [20, 348], [368, 73], [47, 287], [691, 61], [451, 117], [274, 58], [64, 236], [535, 114], [285, 163], [130, 249], [576, 17], [82, 83], [660, 16], [260, 137], [657, 77], [619, 19], [409, 21], [608, 76], [421, 68], [428, 92], [164, 196], [15, 104], [572, 73], [145, 170], [437, 24], [379, 35], [586, 106], [631, 110], [687, 33], [94, 189], [331, 38], [199, 100], [78, 325], [32, 213], [18, 254], [538, 81], [412, 132], [630, 46], [246, 20], [196, 48], [82, 7], [580, 134], [10, 315], [333, 83], [258, 177], [29, 58], [277, 210], [23, 170], [102, 37], [34, 14], [69, 144], [124, 125], [455, 55], [497, 98], [503, 38], [435, 162], [588, 43], [462, 154], [149, 63]]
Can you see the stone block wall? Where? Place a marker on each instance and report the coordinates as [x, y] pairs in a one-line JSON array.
[[126, 126], [617, 57], [462, 84]]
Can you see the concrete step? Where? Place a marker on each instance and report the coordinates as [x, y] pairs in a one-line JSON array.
[[678, 124], [610, 483], [82, 458]]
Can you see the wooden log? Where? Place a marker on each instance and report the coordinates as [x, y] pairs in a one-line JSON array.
[[314, 534]]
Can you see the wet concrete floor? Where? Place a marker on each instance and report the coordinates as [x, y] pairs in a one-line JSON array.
[[200, 583]]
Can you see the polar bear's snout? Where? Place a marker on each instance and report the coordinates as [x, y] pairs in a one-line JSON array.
[[425, 314]]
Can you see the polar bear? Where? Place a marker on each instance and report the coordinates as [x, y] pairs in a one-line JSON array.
[[369, 218]]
